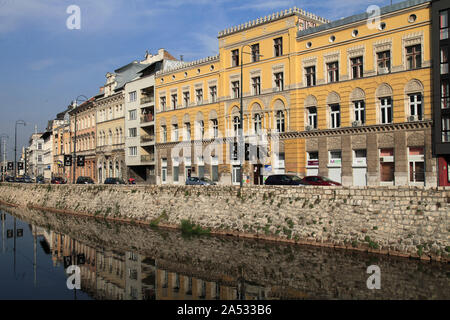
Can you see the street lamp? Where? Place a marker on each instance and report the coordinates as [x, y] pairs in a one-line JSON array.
[[80, 98], [15, 146], [3, 138], [241, 122]]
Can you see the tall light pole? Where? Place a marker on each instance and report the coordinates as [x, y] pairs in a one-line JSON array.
[[15, 146], [80, 98], [241, 122], [3, 138]]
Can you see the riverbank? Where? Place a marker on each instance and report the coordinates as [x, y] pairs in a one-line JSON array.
[[407, 222]]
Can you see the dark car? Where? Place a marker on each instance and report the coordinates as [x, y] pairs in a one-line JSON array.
[[195, 181], [283, 180], [114, 181], [58, 180], [20, 179], [319, 181], [85, 180], [40, 179], [27, 179], [9, 179]]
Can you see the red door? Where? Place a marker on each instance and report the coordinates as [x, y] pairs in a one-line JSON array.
[[444, 177]]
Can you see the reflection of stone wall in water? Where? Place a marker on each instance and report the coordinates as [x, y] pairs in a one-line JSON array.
[[408, 220], [284, 270]]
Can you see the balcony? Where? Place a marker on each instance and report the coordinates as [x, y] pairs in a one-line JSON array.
[[147, 118], [148, 158], [147, 138], [147, 99]]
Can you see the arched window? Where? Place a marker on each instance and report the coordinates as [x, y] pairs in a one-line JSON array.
[[280, 121], [257, 123], [236, 122]]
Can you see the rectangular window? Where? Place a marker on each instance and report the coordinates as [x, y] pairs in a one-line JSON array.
[[199, 96], [280, 121], [174, 132], [215, 126], [255, 52], [164, 133], [357, 67], [235, 58], [445, 94], [387, 166], [444, 60], [132, 132], [310, 76], [256, 85], [186, 98], [39, 146], [335, 116], [235, 89], [333, 71], [278, 47], [446, 128], [213, 93], [413, 57], [360, 112], [162, 103], [386, 110], [187, 131], [132, 151], [132, 114], [384, 62], [279, 82], [39, 158], [176, 173], [132, 96], [312, 117], [415, 105], [416, 165], [174, 101], [443, 24]]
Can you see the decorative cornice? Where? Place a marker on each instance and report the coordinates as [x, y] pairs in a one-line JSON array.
[[273, 17], [188, 65]]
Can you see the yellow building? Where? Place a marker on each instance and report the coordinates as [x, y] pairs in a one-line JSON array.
[[349, 100]]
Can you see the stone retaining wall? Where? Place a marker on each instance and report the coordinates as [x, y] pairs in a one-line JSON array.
[[400, 221]]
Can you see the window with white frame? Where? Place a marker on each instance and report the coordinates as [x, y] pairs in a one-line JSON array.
[[174, 99], [132, 96], [132, 132], [415, 105], [312, 117], [335, 116], [256, 85], [357, 67], [360, 111], [201, 128], [280, 121], [215, 127], [162, 103], [187, 131], [132, 151], [164, 133], [186, 98], [255, 52], [279, 82], [236, 122], [385, 110], [310, 73], [199, 96], [213, 93], [278, 47], [333, 71], [132, 114], [235, 89], [445, 128], [384, 62], [443, 25], [257, 123], [175, 132], [235, 58], [413, 57]]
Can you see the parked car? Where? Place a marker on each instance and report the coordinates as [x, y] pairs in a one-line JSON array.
[[27, 179], [114, 181], [20, 179], [319, 181], [283, 180], [58, 180], [40, 179], [195, 181], [9, 179], [85, 180]]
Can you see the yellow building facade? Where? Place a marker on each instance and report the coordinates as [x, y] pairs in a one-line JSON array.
[[349, 100]]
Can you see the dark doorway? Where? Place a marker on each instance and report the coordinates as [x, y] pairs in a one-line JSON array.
[[257, 177]]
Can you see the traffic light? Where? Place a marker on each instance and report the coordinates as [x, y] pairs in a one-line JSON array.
[[67, 160], [10, 165], [80, 161], [20, 165]]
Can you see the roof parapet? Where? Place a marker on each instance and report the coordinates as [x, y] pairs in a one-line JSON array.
[[187, 65], [272, 17]]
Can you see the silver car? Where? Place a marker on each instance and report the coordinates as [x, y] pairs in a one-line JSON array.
[[195, 181]]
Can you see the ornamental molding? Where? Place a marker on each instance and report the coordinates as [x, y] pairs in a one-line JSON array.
[[412, 39], [309, 62], [331, 56], [356, 51]]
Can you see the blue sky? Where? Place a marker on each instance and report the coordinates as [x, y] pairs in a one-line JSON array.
[[44, 65]]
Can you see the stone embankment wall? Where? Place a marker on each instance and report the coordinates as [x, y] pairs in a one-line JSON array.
[[392, 220], [284, 271]]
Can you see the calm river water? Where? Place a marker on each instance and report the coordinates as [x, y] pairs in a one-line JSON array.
[[120, 261]]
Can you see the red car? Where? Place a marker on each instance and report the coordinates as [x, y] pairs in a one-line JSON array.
[[58, 180], [319, 181]]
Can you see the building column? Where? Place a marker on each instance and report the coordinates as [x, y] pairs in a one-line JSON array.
[[401, 159], [323, 156], [347, 160], [430, 162], [373, 174]]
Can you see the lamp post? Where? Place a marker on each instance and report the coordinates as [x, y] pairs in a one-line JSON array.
[[74, 161], [15, 146], [3, 138], [241, 121]]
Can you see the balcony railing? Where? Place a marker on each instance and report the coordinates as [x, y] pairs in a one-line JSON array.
[[148, 158], [147, 99], [147, 118], [147, 138]]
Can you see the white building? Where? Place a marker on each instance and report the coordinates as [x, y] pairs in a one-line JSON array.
[[35, 156]]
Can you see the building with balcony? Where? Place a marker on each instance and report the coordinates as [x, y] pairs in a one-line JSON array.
[[348, 99], [35, 155], [61, 144], [140, 118]]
